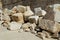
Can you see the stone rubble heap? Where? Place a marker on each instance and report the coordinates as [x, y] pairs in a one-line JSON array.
[[22, 18]]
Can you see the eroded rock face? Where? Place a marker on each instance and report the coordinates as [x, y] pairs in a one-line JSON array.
[[49, 25], [28, 13], [33, 19], [21, 9], [18, 17], [57, 12], [14, 26], [39, 12]]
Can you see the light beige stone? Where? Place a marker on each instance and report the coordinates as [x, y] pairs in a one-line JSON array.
[[14, 9], [21, 9], [18, 17], [28, 13], [26, 26], [14, 26]]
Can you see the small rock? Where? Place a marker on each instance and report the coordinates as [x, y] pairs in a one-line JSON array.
[[26, 27], [14, 9], [33, 19], [32, 28], [47, 34], [14, 26]]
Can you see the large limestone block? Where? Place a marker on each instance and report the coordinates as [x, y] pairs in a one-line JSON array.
[[14, 26], [57, 12], [33, 19], [39, 11], [48, 25], [21, 9], [18, 17], [28, 13]]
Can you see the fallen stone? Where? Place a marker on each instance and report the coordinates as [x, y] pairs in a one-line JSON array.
[[48, 25], [43, 36], [33, 19], [14, 26], [5, 24], [56, 9], [32, 28], [39, 12], [47, 34], [29, 27], [28, 13], [21, 9], [14, 9], [18, 17], [26, 27]]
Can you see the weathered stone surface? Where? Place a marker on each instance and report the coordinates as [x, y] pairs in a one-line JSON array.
[[43, 36], [47, 34], [39, 12], [5, 24], [33, 19], [32, 28], [28, 13], [26, 26], [6, 11], [29, 27], [49, 25], [14, 26], [1, 15], [21, 9], [6, 14], [57, 12], [14, 9], [18, 17]]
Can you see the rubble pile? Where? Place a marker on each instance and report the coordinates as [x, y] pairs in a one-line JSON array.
[[24, 19]]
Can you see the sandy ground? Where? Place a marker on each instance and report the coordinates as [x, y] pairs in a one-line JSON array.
[[14, 35]]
